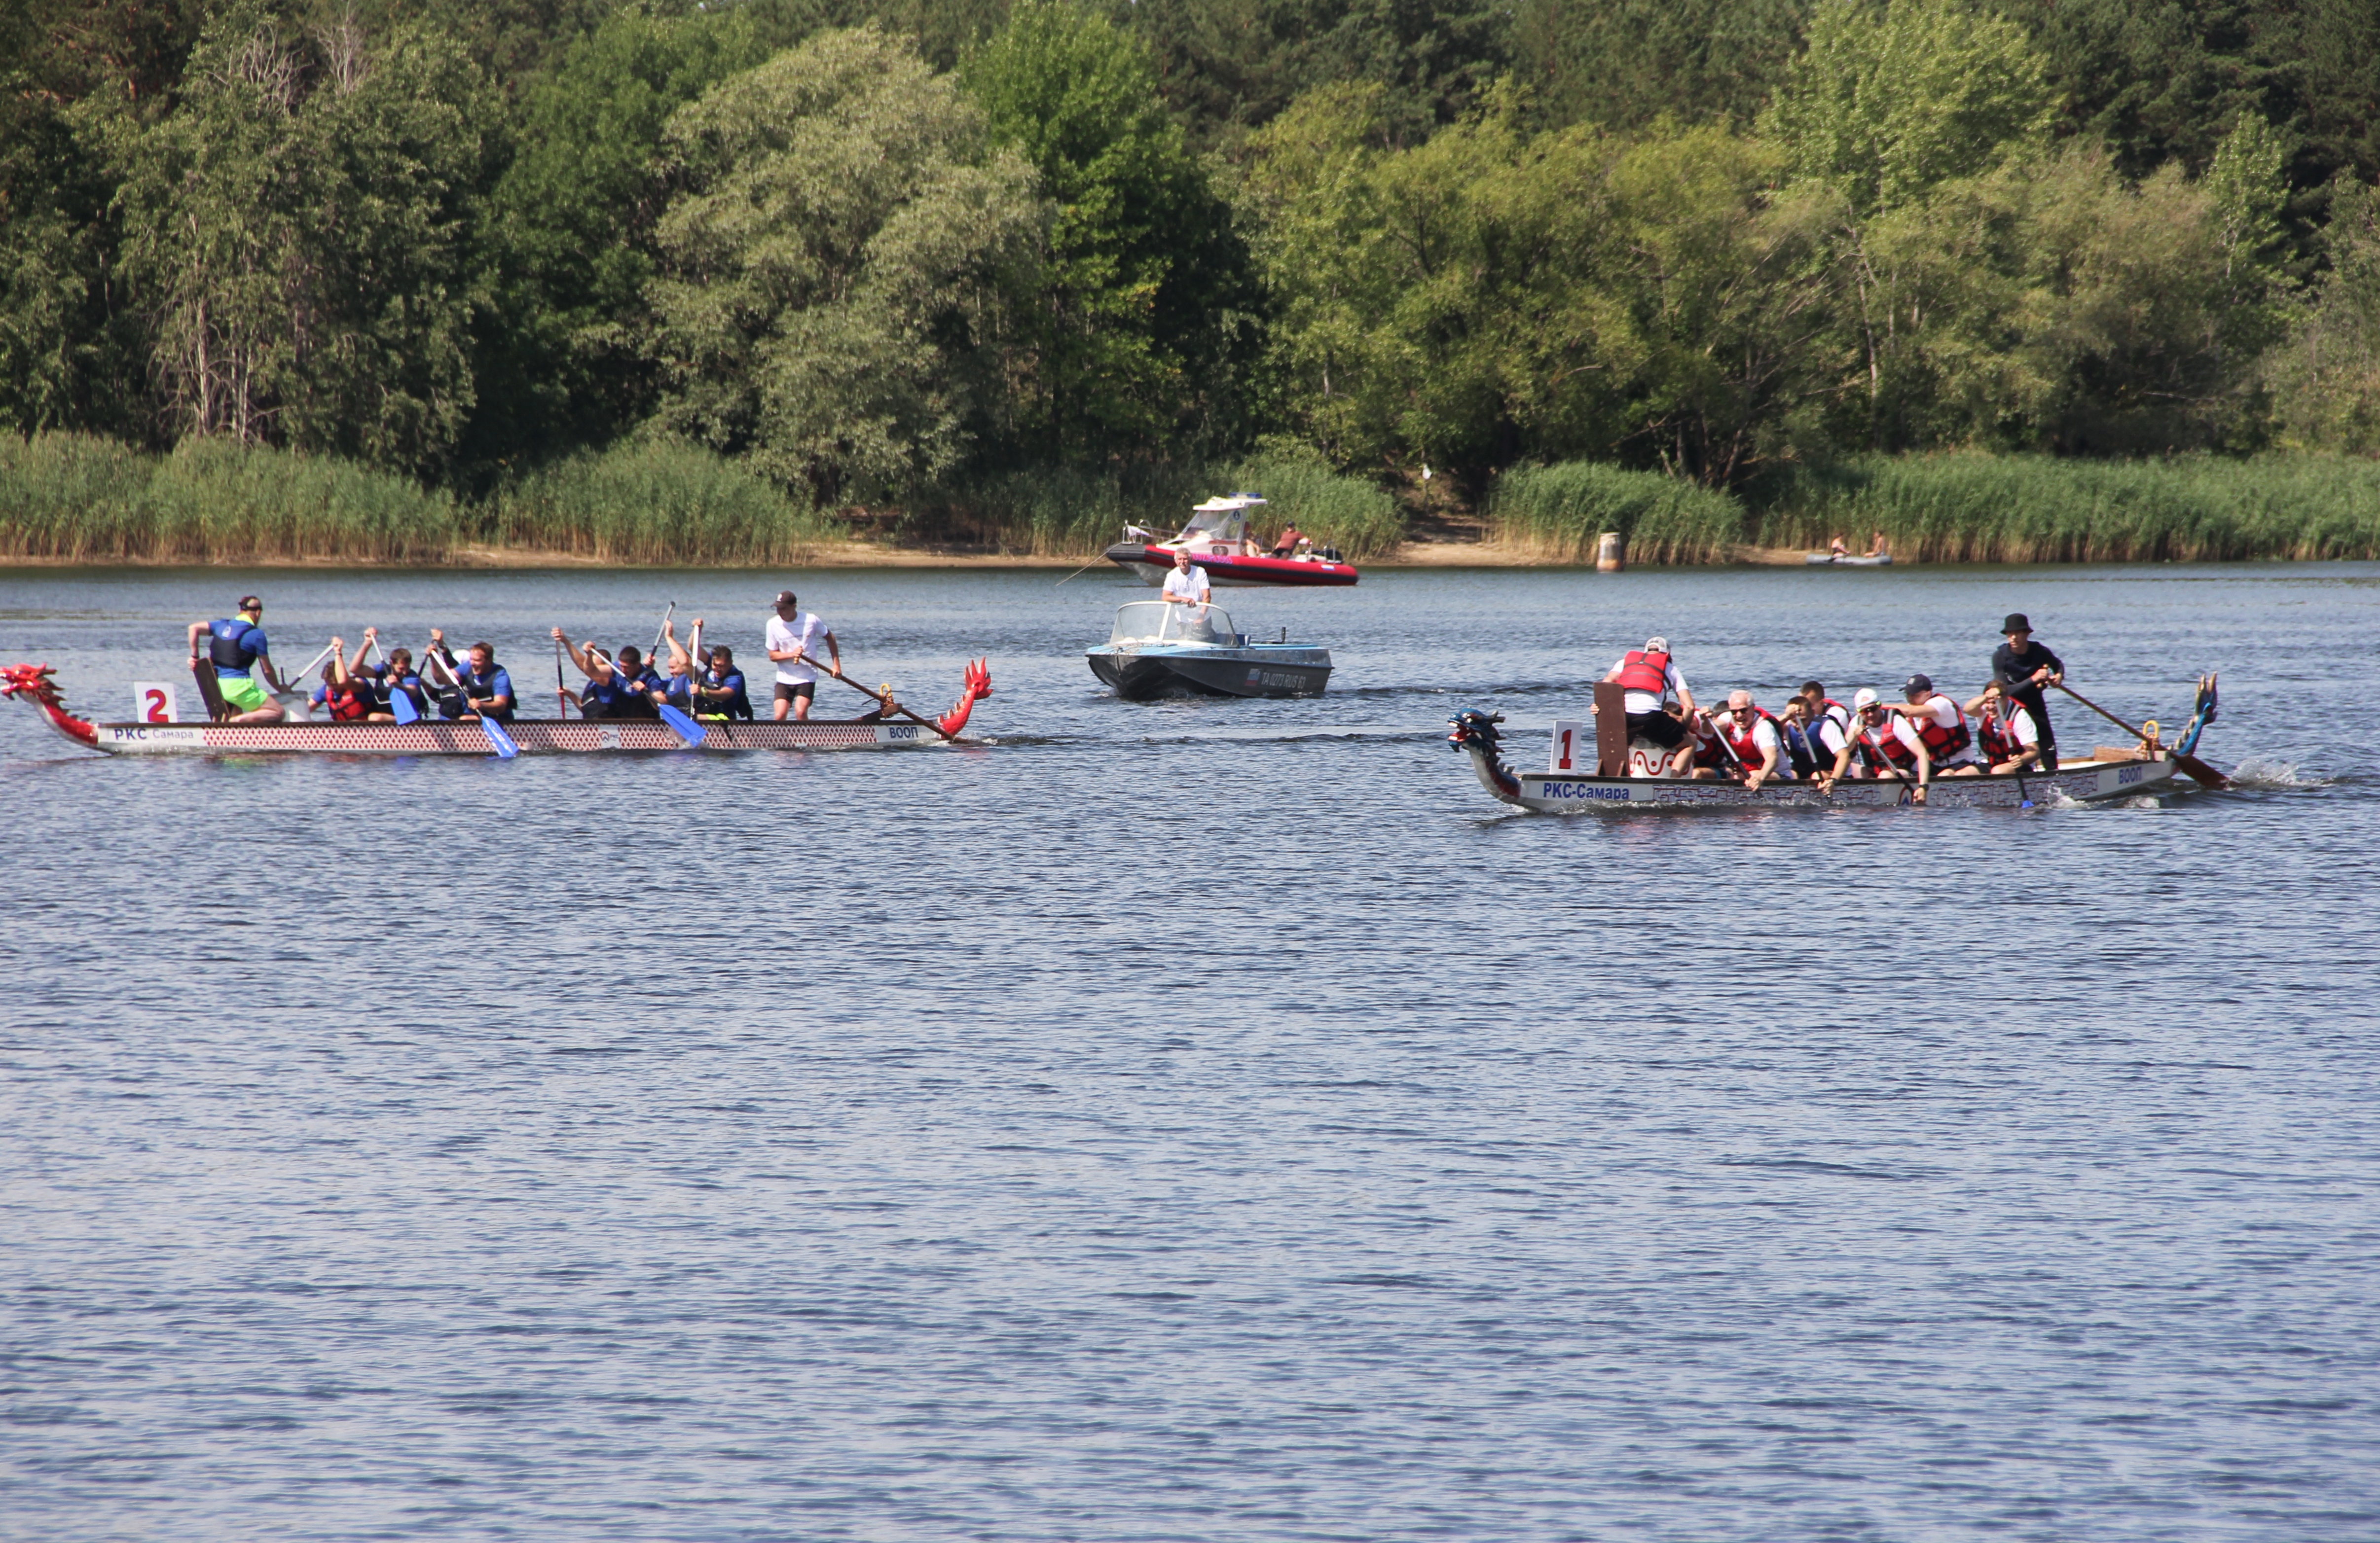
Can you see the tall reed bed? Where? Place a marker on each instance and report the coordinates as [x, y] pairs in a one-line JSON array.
[[1974, 508], [80, 496], [1073, 513], [660, 505], [1557, 511]]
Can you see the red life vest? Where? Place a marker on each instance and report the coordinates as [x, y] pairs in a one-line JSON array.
[[1647, 673], [348, 703], [1997, 734], [1882, 747], [1943, 743], [1746, 744]]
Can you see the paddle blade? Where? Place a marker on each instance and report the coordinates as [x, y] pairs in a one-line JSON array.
[[400, 701], [498, 739], [683, 727], [2204, 774]]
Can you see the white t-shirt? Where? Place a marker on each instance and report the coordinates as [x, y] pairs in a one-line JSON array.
[[806, 631], [1828, 734], [2019, 726], [1673, 684], [1191, 585]]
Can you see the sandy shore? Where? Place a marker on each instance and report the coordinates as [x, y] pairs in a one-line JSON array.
[[841, 554]]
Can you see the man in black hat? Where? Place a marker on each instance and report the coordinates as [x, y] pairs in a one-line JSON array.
[[2020, 668]]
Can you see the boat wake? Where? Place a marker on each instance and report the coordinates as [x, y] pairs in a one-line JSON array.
[[2262, 771]]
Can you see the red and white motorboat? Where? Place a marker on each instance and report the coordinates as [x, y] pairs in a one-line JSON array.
[[36, 687], [1217, 539]]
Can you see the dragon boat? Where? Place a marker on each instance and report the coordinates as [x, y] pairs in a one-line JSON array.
[[1587, 768], [888, 726]]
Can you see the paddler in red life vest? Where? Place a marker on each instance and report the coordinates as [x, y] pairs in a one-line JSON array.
[[1652, 683], [1757, 737], [2005, 731], [1940, 726], [1881, 745]]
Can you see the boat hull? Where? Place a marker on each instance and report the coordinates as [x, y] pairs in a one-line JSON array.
[[1152, 563], [1140, 675], [534, 736], [891, 726], [1822, 559], [1555, 793]]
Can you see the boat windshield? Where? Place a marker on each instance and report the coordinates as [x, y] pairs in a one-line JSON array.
[[1163, 621]]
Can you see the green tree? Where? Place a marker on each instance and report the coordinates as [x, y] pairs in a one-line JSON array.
[[564, 358], [1623, 63], [1143, 310], [1885, 103], [834, 267], [298, 241], [1226, 67]]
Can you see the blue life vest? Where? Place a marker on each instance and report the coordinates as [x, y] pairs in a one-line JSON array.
[[229, 649]]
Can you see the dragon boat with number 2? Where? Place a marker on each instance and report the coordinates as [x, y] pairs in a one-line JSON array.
[[1597, 770], [888, 726]]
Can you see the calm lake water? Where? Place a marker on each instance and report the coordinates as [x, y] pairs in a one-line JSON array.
[[1196, 1120]]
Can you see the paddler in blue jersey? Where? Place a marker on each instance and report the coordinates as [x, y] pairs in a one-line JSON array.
[[235, 645]]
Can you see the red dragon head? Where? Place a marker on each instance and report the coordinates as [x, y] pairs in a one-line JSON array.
[[38, 681]]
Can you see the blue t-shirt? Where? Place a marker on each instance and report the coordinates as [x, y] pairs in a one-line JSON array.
[[610, 697]]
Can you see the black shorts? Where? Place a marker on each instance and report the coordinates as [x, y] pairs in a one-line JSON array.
[[807, 689], [1660, 728]]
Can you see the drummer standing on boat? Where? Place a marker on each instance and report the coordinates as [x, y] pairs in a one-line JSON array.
[[1651, 680], [794, 634], [2020, 668], [237, 646]]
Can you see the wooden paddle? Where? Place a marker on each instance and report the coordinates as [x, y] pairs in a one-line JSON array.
[[883, 698], [2199, 772]]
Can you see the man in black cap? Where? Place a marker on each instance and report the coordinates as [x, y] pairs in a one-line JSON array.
[[2020, 668]]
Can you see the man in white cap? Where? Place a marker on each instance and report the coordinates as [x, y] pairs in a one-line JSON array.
[[1880, 745], [1651, 680], [794, 636]]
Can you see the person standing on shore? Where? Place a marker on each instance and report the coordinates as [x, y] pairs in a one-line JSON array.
[[236, 647], [794, 636], [2020, 668]]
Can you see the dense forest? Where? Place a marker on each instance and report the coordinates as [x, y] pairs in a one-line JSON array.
[[942, 256]]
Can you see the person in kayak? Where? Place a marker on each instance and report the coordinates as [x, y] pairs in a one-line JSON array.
[[1650, 678], [1940, 726], [2020, 668], [480, 688], [1757, 737], [237, 649], [2005, 731]]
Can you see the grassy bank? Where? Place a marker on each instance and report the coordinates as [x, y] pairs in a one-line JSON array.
[[2029, 508], [1557, 512], [658, 505], [78, 497]]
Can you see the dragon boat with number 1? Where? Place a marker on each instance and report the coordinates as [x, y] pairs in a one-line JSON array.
[[36, 687], [1593, 769]]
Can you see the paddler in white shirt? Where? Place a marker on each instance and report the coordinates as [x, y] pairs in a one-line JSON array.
[[1751, 735], [2005, 731], [1938, 722], [1651, 680]]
